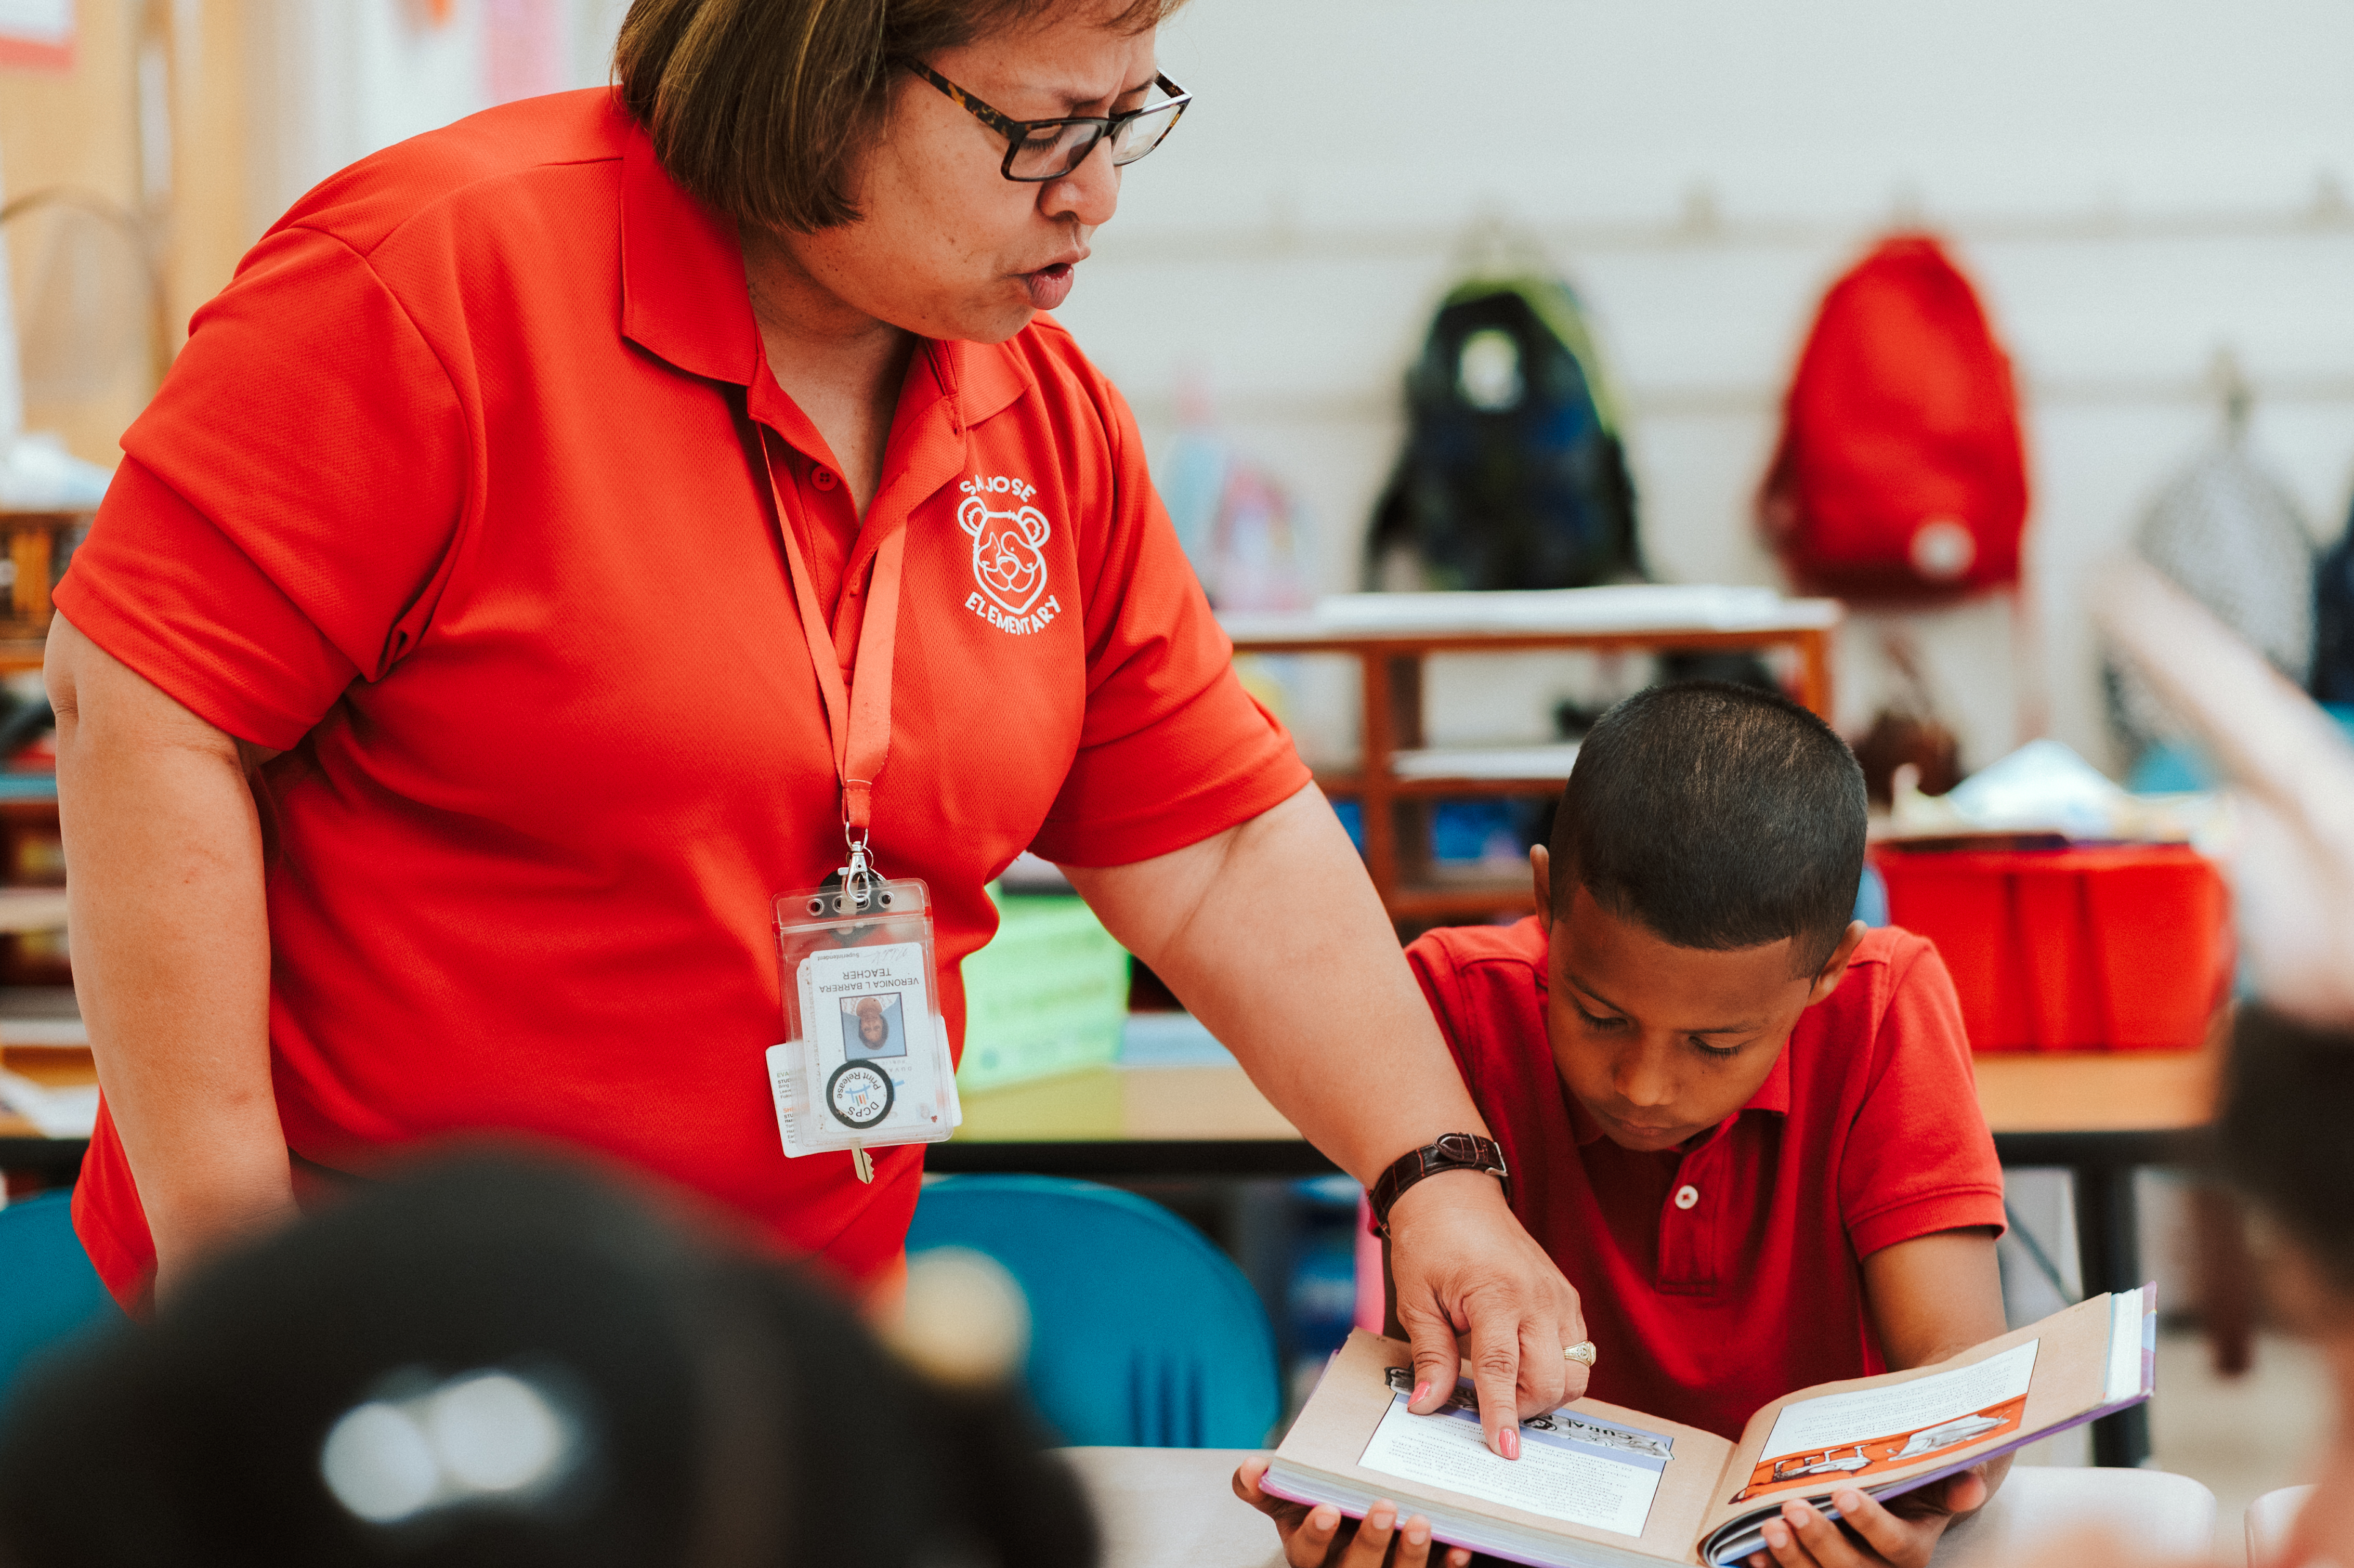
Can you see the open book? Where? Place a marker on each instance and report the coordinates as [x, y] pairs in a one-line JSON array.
[[1600, 1487]]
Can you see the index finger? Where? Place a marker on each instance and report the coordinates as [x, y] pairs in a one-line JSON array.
[[1496, 1378]]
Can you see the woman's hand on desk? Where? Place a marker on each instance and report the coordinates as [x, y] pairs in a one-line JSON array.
[[1902, 1533], [1324, 1537]]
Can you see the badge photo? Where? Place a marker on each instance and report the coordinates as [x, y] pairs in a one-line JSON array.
[[874, 1026]]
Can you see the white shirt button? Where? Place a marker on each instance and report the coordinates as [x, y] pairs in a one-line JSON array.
[[1687, 1196]]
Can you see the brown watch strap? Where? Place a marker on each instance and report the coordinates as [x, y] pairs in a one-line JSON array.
[[1453, 1151]]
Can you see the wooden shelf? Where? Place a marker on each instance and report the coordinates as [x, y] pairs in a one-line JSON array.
[[1456, 788], [1392, 636], [1438, 904], [1350, 786]]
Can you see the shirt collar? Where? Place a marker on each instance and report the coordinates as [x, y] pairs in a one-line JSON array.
[[684, 296], [683, 293]]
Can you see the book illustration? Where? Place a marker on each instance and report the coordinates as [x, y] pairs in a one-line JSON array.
[[1852, 1461], [1575, 1468], [1859, 1434]]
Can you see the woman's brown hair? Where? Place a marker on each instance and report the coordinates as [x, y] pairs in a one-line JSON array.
[[757, 107]]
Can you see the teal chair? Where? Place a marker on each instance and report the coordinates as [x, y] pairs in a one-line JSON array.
[[49, 1291], [1141, 1333]]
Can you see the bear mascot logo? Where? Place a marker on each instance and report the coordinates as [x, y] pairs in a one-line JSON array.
[[1006, 561]]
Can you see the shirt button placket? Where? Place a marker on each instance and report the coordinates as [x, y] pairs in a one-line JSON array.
[[1687, 1253]]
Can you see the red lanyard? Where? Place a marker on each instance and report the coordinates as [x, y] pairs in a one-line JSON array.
[[858, 715]]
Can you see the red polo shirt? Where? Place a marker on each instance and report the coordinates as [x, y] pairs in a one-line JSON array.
[[454, 494], [1723, 1275]]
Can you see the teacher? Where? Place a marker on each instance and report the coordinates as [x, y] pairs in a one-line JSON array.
[[442, 691]]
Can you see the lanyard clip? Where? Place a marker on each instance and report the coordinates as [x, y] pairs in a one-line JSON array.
[[859, 878]]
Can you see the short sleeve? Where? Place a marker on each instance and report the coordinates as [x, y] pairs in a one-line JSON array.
[[1918, 1157], [287, 500], [1173, 750]]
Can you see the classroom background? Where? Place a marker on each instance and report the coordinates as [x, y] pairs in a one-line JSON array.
[[2151, 200]]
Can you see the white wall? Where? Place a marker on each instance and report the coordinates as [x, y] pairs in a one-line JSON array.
[[337, 79], [2133, 183]]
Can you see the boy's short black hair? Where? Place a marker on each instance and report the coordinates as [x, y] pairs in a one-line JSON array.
[[2288, 1092], [1717, 816]]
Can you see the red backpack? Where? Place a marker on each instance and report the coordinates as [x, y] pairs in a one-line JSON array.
[[1900, 473]]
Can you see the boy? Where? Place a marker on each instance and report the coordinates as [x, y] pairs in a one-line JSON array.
[[1742, 1124]]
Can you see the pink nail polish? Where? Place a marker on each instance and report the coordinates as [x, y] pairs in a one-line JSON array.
[[1421, 1393], [1509, 1441]]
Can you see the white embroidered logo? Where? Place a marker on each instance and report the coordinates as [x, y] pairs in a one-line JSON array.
[[1006, 559]]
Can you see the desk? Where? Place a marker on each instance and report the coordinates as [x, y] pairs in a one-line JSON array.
[[1160, 1507], [22, 1146], [2099, 1116]]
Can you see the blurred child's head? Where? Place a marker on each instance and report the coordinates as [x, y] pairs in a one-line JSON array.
[[1698, 895], [2288, 1100], [503, 1362]]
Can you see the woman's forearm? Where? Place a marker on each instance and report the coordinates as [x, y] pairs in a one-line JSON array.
[[171, 949], [1274, 938], [1271, 933]]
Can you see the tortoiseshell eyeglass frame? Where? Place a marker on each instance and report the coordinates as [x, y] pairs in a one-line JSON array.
[[1018, 131]]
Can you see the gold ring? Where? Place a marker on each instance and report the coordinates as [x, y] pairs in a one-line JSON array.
[[1581, 1352]]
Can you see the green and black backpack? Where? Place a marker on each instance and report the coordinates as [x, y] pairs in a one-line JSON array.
[[1513, 475]]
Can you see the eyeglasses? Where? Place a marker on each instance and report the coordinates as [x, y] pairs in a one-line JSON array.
[[1040, 149]]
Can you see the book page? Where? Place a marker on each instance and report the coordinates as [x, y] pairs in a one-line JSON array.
[[1595, 1463], [2003, 1392], [1866, 1432], [1575, 1468]]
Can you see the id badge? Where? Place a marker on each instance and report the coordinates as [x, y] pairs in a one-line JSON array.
[[865, 1062]]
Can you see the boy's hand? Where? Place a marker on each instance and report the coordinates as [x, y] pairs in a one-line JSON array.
[[1900, 1535], [1323, 1537], [1462, 1263]]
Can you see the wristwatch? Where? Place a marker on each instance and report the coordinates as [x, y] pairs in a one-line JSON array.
[[1453, 1151]]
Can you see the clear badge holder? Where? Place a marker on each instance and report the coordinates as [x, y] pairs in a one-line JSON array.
[[865, 1062]]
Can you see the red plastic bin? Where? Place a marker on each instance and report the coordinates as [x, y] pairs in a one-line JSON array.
[[2125, 949]]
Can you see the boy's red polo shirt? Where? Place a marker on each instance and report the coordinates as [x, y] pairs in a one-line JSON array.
[[455, 495], [1720, 1276]]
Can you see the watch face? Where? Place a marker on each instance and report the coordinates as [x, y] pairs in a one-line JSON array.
[[859, 1094]]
